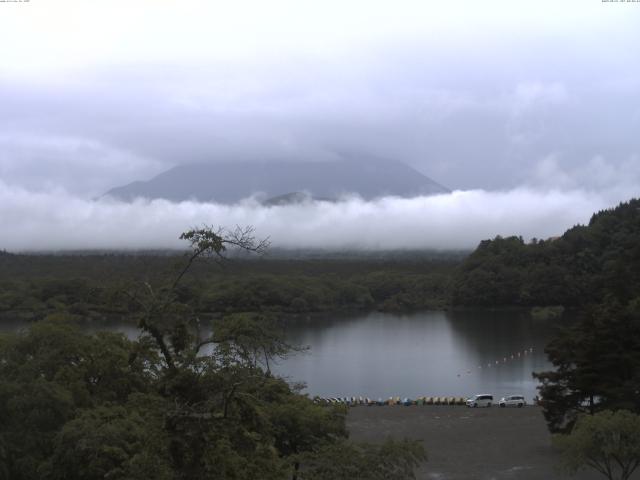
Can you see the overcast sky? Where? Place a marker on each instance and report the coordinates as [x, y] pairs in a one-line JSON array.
[[521, 105]]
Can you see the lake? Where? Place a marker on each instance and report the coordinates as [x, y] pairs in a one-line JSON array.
[[427, 353], [434, 353]]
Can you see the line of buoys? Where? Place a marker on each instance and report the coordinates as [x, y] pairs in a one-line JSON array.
[[355, 401], [505, 359]]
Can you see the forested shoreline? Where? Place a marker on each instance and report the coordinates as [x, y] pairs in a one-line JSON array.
[[77, 405], [582, 266], [80, 405], [34, 286]]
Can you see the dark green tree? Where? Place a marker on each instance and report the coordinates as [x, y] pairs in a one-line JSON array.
[[597, 366], [187, 399], [608, 442], [114, 442]]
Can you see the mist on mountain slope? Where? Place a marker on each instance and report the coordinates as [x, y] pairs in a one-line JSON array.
[[57, 220], [231, 182]]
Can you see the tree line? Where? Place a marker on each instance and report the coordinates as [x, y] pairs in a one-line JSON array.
[[591, 399], [34, 286], [585, 265], [175, 403]]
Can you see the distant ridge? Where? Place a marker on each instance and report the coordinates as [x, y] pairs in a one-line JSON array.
[[329, 180], [290, 199]]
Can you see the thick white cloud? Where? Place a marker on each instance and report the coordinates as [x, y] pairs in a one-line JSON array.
[[57, 220]]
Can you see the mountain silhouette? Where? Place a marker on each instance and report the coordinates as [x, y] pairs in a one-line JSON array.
[[232, 182]]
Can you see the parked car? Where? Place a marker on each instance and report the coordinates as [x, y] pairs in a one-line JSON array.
[[513, 401], [482, 400]]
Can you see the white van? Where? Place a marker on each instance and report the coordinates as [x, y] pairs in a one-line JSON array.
[[482, 400]]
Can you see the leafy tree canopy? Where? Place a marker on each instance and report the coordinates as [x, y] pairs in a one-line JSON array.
[[583, 266], [608, 442], [597, 365], [185, 400]]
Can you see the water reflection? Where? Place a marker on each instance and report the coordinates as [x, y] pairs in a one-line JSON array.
[[429, 353]]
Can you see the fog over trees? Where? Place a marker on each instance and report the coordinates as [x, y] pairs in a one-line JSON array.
[[489, 105]]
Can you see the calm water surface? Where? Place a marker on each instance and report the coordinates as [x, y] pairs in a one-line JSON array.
[[428, 353]]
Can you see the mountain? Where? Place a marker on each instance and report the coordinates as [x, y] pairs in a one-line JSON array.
[[232, 182]]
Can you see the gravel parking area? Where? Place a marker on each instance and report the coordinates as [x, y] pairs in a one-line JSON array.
[[468, 443]]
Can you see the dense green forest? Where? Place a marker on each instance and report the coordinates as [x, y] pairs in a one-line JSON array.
[[175, 403], [33, 286], [595, 268], [583, 266], [85, 407], [80, 405]]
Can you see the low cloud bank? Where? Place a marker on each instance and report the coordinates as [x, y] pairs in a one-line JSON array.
[[57, 220]]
